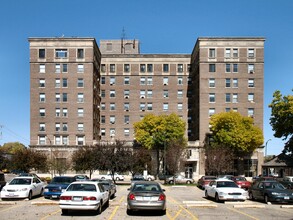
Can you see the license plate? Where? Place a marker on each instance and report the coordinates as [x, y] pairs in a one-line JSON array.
[[77, 198], [147, 198], [54, 196], [286, 197], [11, 194]]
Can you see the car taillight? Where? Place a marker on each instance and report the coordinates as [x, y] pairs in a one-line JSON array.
[[131, 197], [162, 197], [65, 197], [92, 198]]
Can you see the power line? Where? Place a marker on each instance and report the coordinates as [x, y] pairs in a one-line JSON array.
[[13, 133]]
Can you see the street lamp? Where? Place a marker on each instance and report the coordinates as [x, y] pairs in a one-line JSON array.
[[266, 148]]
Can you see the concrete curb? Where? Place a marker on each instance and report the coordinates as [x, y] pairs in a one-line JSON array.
[[287, 206], [197, 202], [45, 203], [249, 206], [7, 203], [202, 205]]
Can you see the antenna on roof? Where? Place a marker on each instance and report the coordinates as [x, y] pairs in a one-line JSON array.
[[123, 35]]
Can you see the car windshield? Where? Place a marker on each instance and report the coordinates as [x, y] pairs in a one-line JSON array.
[[22, 181], [147, 187], [82, 187], [62, 180], [274, 185], [240, 178], [226, 184]]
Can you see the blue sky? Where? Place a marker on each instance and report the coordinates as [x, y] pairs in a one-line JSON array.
[[162, 26]]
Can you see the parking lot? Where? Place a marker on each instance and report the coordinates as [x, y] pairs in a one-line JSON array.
[[183, 202]]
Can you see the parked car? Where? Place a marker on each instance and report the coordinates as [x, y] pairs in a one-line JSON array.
[[242, 182], [57, 185], [224, 189], [138, 176], [23, 187], [287, 181], [2, 180], [204, 181], [229, 177], [108, 185], [85, 195], [146, 195], [81, 177], [164, 176], [149, 177], [108, 176], [270, 191], [179, 179]]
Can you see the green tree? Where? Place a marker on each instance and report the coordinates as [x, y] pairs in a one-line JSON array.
[[155, 132], [12, 147], [282, 119]]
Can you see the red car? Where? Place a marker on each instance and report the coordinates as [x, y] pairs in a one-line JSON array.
[[241, 182], [204, 181]]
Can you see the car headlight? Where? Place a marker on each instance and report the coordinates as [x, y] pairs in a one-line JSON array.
[[276, 194], [63, 190], [222, 193], [46, 190], [245, 193]]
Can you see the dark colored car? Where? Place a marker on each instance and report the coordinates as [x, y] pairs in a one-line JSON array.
[[57, 186], [204, 181], [270, 191], [108, 185], [242, 182], [146, 195]]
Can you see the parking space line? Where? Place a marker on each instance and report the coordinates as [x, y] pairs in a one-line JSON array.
[[193, 216], [114, 212], [50, 214], [243, 213]]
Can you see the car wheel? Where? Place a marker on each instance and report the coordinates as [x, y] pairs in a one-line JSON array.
[[102, 178], [251, 196], [217, 198], [117, 178], [41, 193], [206, 194], [188, 182], [129, 212], [64, 211], [163, 212], [99, 210], [30, 195], [267, 199], [107, 203], [171, 182], [149, 179]]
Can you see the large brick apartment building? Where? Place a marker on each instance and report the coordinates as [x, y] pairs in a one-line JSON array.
[[82, 94]]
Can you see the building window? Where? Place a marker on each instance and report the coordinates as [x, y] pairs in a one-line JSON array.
[[126, 68], [126, 106], [150, 80], [103, 119], [142, 68], [142, 106], [42, 83], [126, 119], [42, 97], [212, 111], [103, 68], [228, 53], [80, 53], [57, 83], [126, 132], [212, 97], [212, 83], [180, 68], [250, 68], [64, 127], [112, 119], [165, 81], [149, 106], [103, 80], [235, 98], [112, 94], [250, 112], [251, 83], [235, 83], [212, 68], [64, 112], [80, 68], [80, 140], [103, 93], [166, 94], [228, 83], [180, 80], [57, 127], [42, 53], [126, 80], [42, 68], [228, 67], [57, 112], [42, 112], [179, 94], [112, 132], [142, 94], [235, 52], [212, 53], [103, 132], [64, 97], [189, 80], [42, 127], [112, 68], [251, 97], [64, 67], [235, 68], [165, 106], [112, 80], [251, 53], [150, 93], [179, 106], [80, 83], [80, 127], [57, 68], [80, 112], [150, 68], [42, 140], [165, 68], [103, 106], [142, 81], [112, 107], [61, 53], [126, 94], [65, 140], [64, 83], [228, 97], [227, 109], [80, 98]]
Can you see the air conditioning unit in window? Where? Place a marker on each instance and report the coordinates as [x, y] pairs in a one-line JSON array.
[[127, 109], [127, 122], [112, 83], [142, 96], [165, 84], [112, 122], [251, 71], [143, 109], [126, 97]]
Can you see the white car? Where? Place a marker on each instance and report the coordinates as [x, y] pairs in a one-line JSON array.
[[224, 189], [85, 195], [108, 176], [23, 187]]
